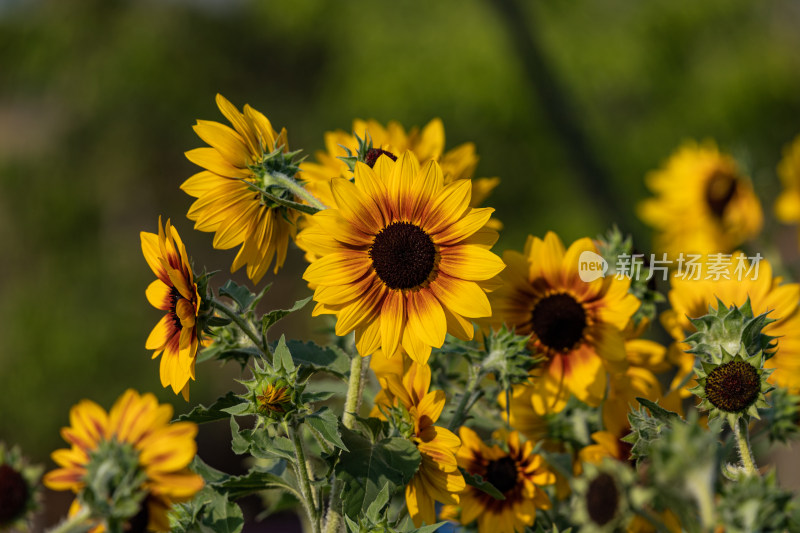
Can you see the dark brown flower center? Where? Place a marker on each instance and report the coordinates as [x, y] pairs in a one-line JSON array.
[[558, 321], [720, 189], [174, 296], [13, 494], [403, 255], [733, 386], [502, 473], [602, 499], [374, 153]]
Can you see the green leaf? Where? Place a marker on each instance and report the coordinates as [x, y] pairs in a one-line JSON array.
[[481, 484], [238, 293], [316, 357], [374, 510], [327, 423], [254, 481], [217, 321], [237, 409], [202, 414], [367, 467], [282, 356], [269, 320], [657, 411], [209, 473], [259, 444], [208, 512]]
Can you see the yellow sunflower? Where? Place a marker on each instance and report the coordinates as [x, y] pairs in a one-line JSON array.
[[703, 203], [163, 450], [226, 202], [438, 477], [692, 298], [787, 206], [401, 258], [175, 337], [393, 140], [517, 473], [577, 325]]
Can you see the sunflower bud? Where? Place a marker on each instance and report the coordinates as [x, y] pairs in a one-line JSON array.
[[270, 394], [733, 330]]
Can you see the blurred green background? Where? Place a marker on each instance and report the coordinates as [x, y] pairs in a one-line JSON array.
[[97, 100]]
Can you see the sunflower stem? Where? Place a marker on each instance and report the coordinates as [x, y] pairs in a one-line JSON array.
[[743, 442], [79, 523], [351, 405], [467, 401], [297, 189], [303, 477], [259, 341]]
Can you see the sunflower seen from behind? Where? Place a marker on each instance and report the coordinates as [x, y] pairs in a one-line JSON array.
[[577, 325], [427, 144], [137, 429], [175, 337], [237, 161], [401, 258], [516, 472], [703, 204]]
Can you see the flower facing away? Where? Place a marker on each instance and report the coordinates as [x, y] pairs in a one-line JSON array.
[[787, 206], [693, 298], [438, 477], [401, 258], [18, 481], [703, 204], [576, 325], [426, 144], [175, 337], [238, 163], [517, 473], [136, 439]]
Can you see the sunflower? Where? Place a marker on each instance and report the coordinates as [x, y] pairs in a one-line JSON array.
[[692, 298], [438, 477], [787, 206], [401, 258], [427, 144], [138, 423], [576, 325], [227, 204], [175, 337], [18, 489], [517, 473], [703, 205]]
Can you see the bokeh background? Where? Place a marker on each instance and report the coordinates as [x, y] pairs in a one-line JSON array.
[[570, 103]]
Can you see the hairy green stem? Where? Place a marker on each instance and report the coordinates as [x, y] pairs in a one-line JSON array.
[[351, 405], [303, 478], [743, 442], [259, 341], [464, 405], [297, 189], [79, 523]]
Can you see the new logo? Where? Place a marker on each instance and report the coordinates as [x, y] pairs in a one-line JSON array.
[[591, 266]]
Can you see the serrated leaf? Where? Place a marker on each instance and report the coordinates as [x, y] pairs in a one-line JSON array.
[[327, 423], [238, 293], [481, 484], [316, 357], [657, 411], [317, 396], [254, 481], [237, 409], [374, 510], [209, 473], [259, 444], [208, 512], [269, 320], [202, 414], [282, 356], [367, 467]]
